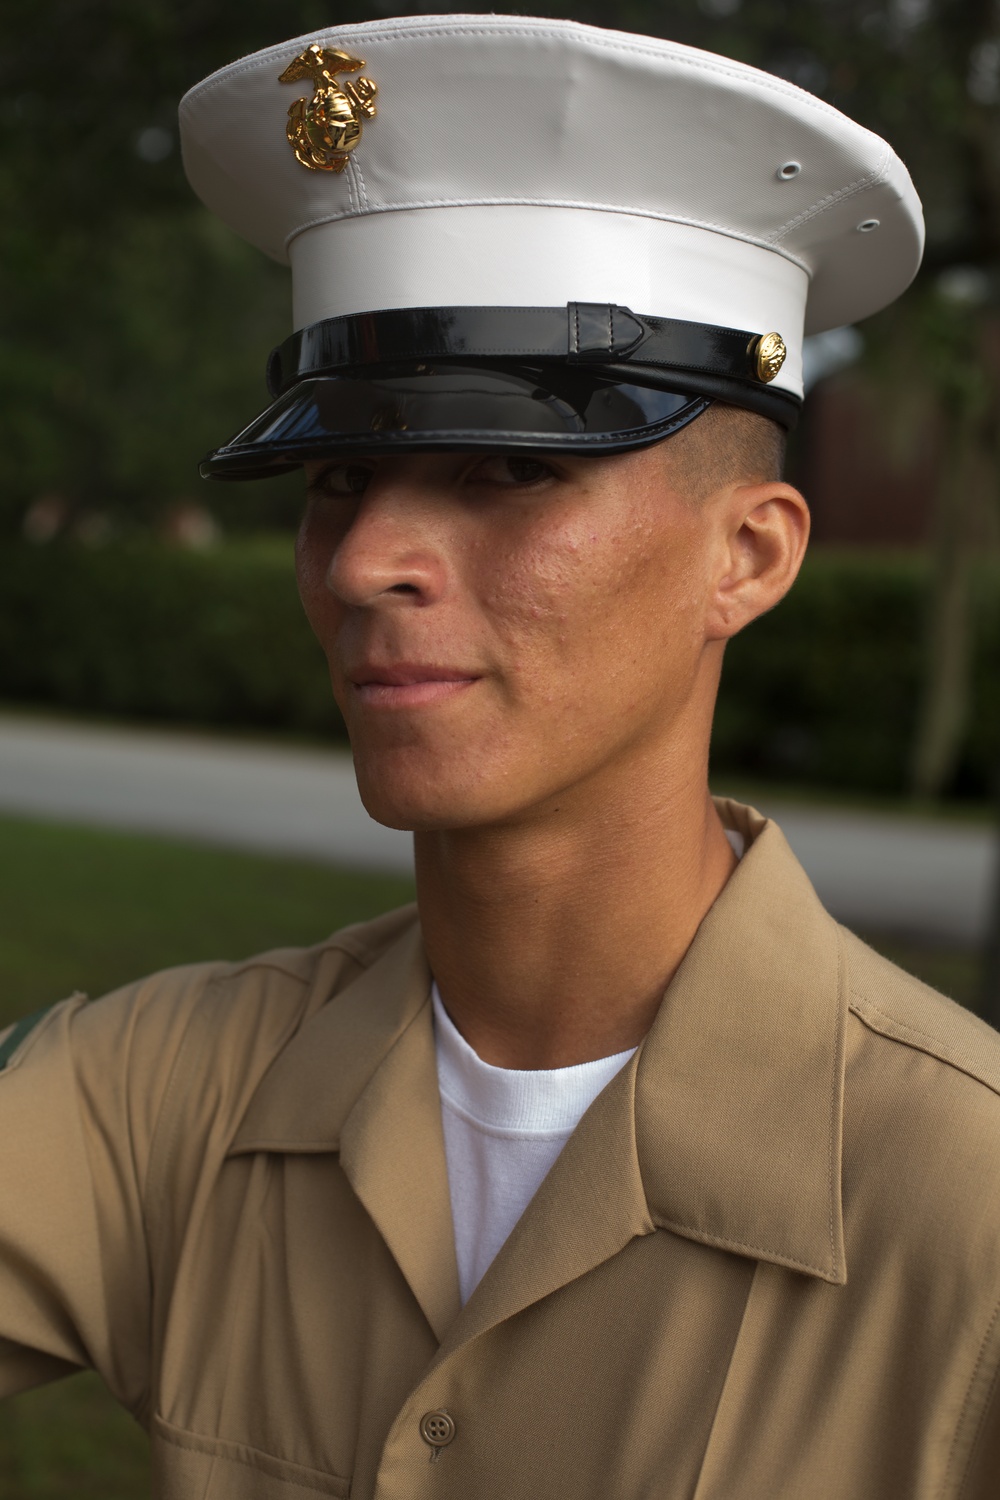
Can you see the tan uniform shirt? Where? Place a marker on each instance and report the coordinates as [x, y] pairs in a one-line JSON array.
[[765, 1267]]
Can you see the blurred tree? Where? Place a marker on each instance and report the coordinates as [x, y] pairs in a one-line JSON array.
[[955, 332], [133, 330]]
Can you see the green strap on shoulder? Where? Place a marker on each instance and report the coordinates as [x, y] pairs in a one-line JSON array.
[[17, 1036]]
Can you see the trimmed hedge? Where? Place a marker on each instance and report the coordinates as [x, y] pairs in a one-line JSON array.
[[144, 631], [824, 690]]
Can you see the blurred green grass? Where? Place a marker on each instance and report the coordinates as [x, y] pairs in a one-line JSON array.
[[89, 909], [70, 1441]]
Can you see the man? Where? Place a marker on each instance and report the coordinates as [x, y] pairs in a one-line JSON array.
[[616, 1168]]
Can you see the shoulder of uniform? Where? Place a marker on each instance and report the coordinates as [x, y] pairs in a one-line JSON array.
[[261, 996], [920, 1141], [13, 1037], [265, 998], [359, 944], [898, 1007]]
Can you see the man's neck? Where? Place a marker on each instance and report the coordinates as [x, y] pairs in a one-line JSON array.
[[552, 941]]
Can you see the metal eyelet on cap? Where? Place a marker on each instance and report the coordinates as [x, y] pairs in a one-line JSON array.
[[867, 225], [788, 171], [437, 1428]]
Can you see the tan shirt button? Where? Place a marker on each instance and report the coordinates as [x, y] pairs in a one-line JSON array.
[[437, 1428]]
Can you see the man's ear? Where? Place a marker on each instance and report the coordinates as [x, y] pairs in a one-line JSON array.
[[765, 531]]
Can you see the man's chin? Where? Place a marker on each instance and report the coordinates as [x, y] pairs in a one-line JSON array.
[[422, 788], [412, 804], [391, 812]]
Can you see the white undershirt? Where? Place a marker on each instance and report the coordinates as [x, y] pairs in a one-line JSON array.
[[503, 1129]]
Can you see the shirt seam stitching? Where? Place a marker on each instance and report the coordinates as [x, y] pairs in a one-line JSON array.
[[987, 1337], [921, 1041], [358, 951], [838, 1054], [216, 1447], [757, 1251]]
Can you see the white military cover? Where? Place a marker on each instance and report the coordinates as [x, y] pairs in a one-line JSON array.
[[523, 162]]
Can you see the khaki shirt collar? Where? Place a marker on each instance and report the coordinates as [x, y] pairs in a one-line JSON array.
[[740, 1085], [360, 1078], [725, 1128]]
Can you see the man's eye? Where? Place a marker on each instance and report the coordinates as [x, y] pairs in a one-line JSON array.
[[342, 479], [512, 471]]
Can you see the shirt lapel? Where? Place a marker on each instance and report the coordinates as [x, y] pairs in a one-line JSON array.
[[360, 1078], [392, 1151]]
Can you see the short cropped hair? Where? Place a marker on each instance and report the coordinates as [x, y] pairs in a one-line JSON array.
[[726, 445]]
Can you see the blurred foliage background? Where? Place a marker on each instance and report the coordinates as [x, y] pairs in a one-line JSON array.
[[133, 335], [133, 327]]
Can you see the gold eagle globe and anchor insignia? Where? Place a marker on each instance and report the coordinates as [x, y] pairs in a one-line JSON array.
[[768, 354], [323, 130]]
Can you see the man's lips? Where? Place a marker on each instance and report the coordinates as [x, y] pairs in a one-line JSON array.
[[408, 684]]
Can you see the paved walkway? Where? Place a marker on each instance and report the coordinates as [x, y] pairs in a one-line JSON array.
[[279, 801], [922, 877]]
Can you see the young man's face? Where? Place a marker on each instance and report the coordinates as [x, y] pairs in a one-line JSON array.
[[509, 636]]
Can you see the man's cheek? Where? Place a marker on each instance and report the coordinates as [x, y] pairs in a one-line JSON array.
[[312, 569], [309, 576], [541, 597]]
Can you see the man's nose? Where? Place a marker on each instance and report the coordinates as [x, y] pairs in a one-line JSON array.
[[394, 548]]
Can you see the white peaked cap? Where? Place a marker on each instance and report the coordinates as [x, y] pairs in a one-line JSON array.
[[517, 162]]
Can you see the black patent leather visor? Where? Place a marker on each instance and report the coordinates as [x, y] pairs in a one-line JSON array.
[[444, 406]]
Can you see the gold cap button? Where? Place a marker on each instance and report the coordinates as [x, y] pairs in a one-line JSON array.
[[437, 1428], [768, 354]]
